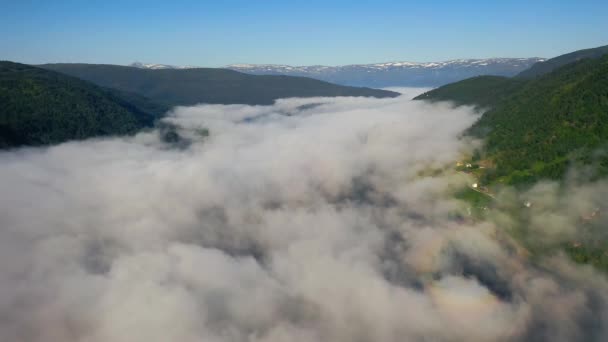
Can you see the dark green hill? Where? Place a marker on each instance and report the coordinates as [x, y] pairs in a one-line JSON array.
[[548, 122], [536, 127], [39, 107], [488, 91], [483, 91], [205, 85], [541, 68]]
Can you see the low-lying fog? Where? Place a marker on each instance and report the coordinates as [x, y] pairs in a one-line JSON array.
[[322, 219]]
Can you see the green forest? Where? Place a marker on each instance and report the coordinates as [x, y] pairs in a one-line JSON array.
[[40, 107], [549, 123], [55, 103], [537, 128], [540, 125]]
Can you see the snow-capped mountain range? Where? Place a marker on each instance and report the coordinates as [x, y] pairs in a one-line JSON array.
[[160, 66], [390, 74], [513, 62]]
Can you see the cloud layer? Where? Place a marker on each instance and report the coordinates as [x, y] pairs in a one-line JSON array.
[[309, 220]]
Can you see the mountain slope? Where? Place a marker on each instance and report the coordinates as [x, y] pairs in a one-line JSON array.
[[391, 74], [536, 127], [174, 87], [548, 122], [489, 91], [549, 65], [483, 91], [39, 107]]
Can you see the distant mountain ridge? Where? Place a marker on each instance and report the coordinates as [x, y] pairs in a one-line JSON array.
[[515, 62], [159, 66], [190, 86], [549, 65], [389, 74], [398, 74]]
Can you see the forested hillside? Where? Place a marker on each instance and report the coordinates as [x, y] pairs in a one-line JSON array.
[[39, 107], [559, 118], [535, 128], [483, 91]]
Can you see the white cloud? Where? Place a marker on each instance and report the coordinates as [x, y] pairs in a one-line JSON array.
[[309, 220]]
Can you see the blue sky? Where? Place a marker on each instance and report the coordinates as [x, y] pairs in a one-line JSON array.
[[216, 33]]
